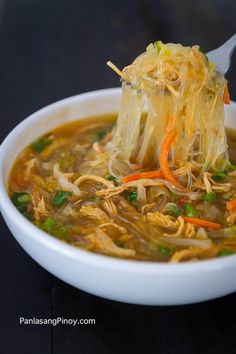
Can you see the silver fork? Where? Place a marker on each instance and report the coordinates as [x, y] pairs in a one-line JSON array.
[[222, 56]]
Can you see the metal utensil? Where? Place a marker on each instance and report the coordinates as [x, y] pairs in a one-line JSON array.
[[222, 56]]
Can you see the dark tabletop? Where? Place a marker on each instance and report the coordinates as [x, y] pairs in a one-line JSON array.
[[51, 49]]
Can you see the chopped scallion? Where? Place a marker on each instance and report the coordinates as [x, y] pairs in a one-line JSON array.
[[40, 144], [60, 197], [166, 251], [119, 243], [131, 196], [158, 45], [93, 199], [225, 252], [21, 201], [218, 176], [227, 195], [233, 228], [113, 179], [101, 134], [53, 227], [150, 47]]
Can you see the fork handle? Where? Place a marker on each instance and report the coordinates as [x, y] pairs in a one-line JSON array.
[[230, 45]]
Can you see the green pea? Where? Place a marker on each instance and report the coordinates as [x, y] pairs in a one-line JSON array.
[[189, 210], [210, 197]]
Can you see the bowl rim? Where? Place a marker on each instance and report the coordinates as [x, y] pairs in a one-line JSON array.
[[79, 255]]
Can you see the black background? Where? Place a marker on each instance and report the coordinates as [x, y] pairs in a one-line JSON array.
[[51, 49]]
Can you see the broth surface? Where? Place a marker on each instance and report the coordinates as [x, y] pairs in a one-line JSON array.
[[60, 183]]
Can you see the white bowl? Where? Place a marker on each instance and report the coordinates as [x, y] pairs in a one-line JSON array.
[[117, 279]]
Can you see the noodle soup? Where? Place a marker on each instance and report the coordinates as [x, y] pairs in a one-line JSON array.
[[62, 184], [156, 184]]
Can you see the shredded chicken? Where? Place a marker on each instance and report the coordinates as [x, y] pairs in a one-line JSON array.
[[189, 230], [166, 221], [224, 187], [193, 253], [210, 185], [108, 137], [162, 220], [145, 208], [100, 159], [231, 219], [115, 226], [141, 195], [94, 213], [206, 181], [57, 143], [182, 171], [69, 211], [97, 148], [125, 205], [110, 207], [112, 191], [180, 229], [96, 179], [63, 181], [80, 149], [185, 255], [40, 209], [100, 241], [36, 197], [29, 166]]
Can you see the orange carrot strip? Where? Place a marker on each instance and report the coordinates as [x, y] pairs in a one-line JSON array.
[[19, 179], [171, 135], [202, 222], [226, 96], [169, 121], [134, 177], [231, 205]]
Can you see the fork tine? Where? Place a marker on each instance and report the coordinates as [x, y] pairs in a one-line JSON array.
[[222, 55]]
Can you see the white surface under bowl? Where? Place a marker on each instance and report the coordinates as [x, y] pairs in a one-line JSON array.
[[124, 280]]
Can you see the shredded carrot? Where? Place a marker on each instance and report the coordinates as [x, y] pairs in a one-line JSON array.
[[19, 179], [226, 96], [169, 121], [171, 135], [231, 205], [134, 177], [202, 222]]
